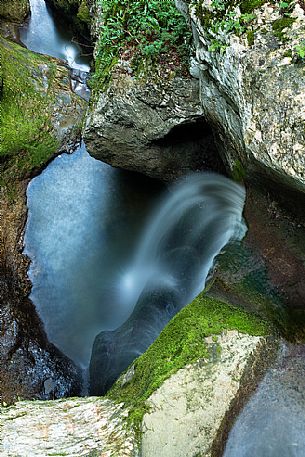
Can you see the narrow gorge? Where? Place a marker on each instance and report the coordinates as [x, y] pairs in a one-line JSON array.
[[152, 233]]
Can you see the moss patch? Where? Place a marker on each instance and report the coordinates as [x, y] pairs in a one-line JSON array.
[[180, 343], [280, 24], [26, 108], [76, 13], [248, 6]]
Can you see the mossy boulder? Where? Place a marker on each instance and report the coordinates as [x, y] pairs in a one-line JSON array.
[[185, 340], [14, 10]]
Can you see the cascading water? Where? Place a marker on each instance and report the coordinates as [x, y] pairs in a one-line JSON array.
[[41, 34], [199, 217], [83, 222]]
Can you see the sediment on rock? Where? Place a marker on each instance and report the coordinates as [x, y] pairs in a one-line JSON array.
[[75, 427]]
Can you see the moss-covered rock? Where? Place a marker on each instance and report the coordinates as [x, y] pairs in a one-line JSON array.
[[182, 342], [14, 10], [39, 112], [39, 116]]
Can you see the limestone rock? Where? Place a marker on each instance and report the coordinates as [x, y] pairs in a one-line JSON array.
[[74, 428], [154, 127], [253, 90], [191, 413]]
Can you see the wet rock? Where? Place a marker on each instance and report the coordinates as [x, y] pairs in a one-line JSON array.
[[27, 359], [75, 427], [265, 272], [190, 414], [155, 127], [113, 351]]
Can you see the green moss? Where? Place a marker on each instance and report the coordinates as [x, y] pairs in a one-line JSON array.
[[250, 37], [26, 141], [248, 6], [280, 24], [14, 10], [83, 13], [238, 172], [180, 343]]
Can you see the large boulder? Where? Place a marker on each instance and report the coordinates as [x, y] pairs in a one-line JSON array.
[[151, 126], [76, 427], [250, 63], [191, 413]]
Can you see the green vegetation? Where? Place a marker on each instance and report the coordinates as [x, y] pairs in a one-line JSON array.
[[225, 17], [143, 32], [180, 343], [280, 24], [14, 10], [25, 112], [238, 172], [248, 6], [300, 50]]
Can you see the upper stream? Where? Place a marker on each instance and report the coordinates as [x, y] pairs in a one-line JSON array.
[[42, 34]]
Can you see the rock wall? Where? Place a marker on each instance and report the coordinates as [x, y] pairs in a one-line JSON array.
[[250, 64], [36, 92], [14, 10]]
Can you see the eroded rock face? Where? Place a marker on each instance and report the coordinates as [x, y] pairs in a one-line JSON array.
[[14, 10], [253, 90], [154, 127], [31, 367], [191, 413], [76, 427]]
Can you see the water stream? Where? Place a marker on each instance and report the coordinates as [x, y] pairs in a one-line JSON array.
[[42, 34]]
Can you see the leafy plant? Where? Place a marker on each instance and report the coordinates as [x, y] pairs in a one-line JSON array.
[[141, 31], [300, 50]]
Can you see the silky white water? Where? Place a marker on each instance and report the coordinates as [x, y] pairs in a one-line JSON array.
[[169, 267]]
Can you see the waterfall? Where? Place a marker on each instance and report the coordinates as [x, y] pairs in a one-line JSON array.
[[201, 214]]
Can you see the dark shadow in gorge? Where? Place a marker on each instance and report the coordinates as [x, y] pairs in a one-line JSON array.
[[265, 272], [188, 147]]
